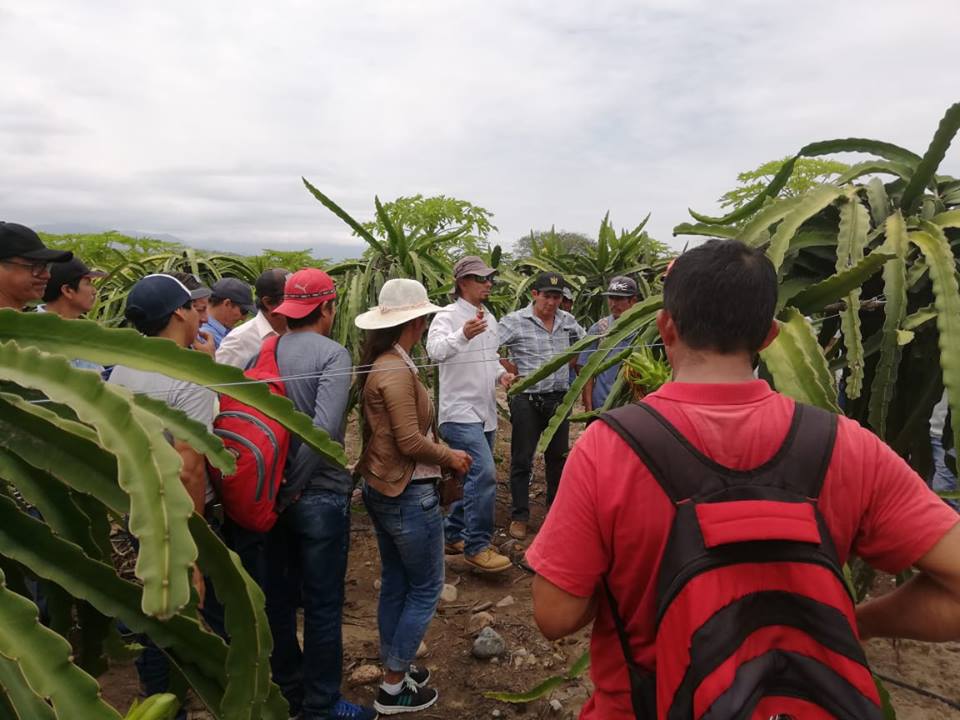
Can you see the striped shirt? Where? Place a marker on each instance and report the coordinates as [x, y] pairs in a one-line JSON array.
[[530, 345]]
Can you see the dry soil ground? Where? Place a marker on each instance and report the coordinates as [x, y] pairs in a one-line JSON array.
[[462, 680]]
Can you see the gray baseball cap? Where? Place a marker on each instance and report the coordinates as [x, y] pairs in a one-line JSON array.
[[235, 290], [621, 286], [471, 265]]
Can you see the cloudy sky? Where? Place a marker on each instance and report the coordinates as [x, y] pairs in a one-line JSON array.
[[197, 119]]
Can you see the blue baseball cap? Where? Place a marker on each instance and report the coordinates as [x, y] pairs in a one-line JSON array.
[[154, 297]]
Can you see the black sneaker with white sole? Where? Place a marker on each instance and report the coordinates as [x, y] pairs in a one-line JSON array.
[[410, 699], [421, 676]]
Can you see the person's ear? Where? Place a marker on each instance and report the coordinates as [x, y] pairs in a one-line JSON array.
[[667, 328], [771, 334]]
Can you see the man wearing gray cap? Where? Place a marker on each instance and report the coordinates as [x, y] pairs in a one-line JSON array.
[[231, 300], [243, 342], [463, 339], [621, 295]]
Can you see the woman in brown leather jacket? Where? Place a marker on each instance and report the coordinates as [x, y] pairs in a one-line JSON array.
[[400, 466]]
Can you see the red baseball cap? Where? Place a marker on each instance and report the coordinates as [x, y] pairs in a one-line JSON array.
[[304, 291]]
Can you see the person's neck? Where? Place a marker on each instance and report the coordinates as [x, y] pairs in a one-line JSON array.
[[171, 332], [64, 309], [277, 322], [544, 318], [214, 315], [714, 368], [476, 302], [319, 327]]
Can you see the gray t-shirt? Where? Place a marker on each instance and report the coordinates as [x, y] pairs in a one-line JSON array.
[[195, 402], [321, 392]]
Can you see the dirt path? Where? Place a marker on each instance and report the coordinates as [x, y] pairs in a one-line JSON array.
[[462, 679]]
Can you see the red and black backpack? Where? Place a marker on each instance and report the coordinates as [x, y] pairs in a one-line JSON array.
[[754, 618], [259, 443]]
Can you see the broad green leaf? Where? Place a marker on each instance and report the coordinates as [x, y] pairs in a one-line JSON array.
[[878, 200], [44, 659], [813, 298], [920, 317], [927, 168], [861, 145], [85, 339], [797, 363], [148, 469], [754, 232], [343, 215], [156, 707], [949, 219], [809, 205], [936, 249], [26, 703], [871, 167], [851, 238], [895, 290], [721, 231]]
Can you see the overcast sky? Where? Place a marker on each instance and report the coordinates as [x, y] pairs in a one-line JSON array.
[[198, 118]]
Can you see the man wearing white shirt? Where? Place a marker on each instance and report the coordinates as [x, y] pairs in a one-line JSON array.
[[463, 339], [243, 342]]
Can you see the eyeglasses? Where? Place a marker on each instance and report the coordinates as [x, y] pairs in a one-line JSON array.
[[480, 278], [36, 269]]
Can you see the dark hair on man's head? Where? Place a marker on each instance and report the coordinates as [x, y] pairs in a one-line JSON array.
[[152, 328], [722, 296], [310, 318], [217, 300], [53, 292], [190, 282]]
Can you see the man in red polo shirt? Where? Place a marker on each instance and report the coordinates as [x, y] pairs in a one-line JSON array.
[[611, 519]]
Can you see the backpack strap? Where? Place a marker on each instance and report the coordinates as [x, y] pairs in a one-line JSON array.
[[683, 472]]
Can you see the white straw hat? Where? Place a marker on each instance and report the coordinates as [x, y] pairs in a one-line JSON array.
[[400, 300]]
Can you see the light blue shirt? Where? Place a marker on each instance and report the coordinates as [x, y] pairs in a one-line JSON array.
[[603, 383], [215, 328]]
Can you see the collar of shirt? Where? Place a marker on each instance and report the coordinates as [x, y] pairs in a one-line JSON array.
[[560, 321], [263, 326], [740, 393], [218, 329]]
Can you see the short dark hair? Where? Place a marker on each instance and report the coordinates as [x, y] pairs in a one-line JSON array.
[[216, 300], [722, 296], [53, 292], [152, 328], [310, 318]]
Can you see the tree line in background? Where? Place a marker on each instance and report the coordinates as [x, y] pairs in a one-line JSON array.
[[867, 261]]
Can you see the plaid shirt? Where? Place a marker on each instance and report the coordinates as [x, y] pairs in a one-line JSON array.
[[530, 345]]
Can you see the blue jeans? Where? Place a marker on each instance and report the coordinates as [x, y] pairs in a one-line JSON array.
[[410, 535], [307, 562], [943, 480], [471, 519]]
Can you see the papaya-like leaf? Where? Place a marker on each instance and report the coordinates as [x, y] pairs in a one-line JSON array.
[[108, 346], [936, 249], [927, 168], [148, 469], [189, 431], [809, 205], [895, 308], [797, 363], [44, 659], [721, 231], [625, 326], [851, 238], [26, 704], [815, 297]]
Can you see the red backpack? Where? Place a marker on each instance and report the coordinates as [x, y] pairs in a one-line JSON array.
[[259, 444], [754, 618]]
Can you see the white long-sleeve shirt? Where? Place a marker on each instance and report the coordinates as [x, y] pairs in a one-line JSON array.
[[469, 369], [244, 341]]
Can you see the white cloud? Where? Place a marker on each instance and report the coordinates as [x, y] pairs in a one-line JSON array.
[[198, 119]]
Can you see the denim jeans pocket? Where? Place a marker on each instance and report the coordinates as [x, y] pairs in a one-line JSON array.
[[429, 502], [388, 515]]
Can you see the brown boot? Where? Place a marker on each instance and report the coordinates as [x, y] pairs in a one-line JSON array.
[[489, 560], [453, 548], [518, 530]]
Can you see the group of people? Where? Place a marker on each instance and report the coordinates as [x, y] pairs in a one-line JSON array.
[[610, 531]]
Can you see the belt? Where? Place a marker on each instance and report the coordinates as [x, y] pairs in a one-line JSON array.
[[425, 481]]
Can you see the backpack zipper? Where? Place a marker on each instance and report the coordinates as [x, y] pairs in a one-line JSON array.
[[265, 429], [257, 456]]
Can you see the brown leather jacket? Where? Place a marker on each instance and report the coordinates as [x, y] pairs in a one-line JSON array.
[[397, 418]]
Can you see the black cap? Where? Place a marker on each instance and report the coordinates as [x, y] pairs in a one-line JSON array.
[[62, 273], [271, 283], [20, 241], [621, 286], [155, 296], [549, 281], [236, 290]]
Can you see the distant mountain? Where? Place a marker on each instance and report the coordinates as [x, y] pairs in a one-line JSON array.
[[85, 229]]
